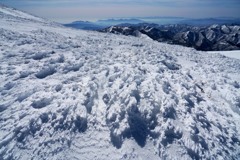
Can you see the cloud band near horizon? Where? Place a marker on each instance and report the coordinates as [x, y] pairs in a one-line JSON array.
[[69, 10]]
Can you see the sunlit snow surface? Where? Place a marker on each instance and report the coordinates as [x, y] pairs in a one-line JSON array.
[[231, 54], [72, 94]]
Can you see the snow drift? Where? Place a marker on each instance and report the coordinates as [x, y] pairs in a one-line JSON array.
[[72, 94]]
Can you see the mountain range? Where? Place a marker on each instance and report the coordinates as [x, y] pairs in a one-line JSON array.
[[104, 23], [209, 38]]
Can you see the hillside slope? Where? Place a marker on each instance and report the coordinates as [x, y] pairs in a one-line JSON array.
[[72, 94]]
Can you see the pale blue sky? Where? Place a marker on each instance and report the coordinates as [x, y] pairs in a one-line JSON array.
[[71, 10]]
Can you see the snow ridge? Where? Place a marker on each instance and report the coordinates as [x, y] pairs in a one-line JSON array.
[[72, 94]]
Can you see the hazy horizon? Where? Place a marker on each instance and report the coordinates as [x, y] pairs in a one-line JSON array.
[[65, 11]]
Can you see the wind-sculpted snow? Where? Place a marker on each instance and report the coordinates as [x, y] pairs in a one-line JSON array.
[[72, 94]]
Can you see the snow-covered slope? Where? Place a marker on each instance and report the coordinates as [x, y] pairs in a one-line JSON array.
[[8, 12], [231, 54], [72, 94]]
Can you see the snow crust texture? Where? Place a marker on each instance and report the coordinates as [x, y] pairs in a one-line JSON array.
[[72, 94]]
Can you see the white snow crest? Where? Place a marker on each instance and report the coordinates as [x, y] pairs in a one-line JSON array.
[[70, 94]]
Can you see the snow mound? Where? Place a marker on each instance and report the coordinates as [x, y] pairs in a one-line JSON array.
[[72, 94]]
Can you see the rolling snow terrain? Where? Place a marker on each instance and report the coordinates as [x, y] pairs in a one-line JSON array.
[[73, 94]]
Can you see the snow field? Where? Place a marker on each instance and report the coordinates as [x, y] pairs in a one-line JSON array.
[[70, 94]]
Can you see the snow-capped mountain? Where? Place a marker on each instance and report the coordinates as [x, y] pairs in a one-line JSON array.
[[166, 21], [73, 94], [207, 38]]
